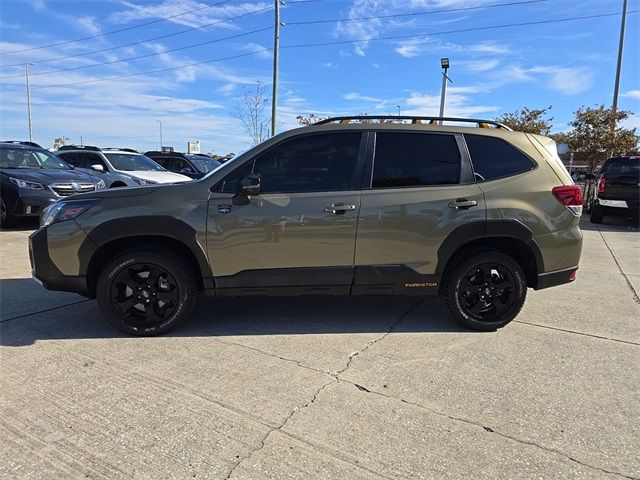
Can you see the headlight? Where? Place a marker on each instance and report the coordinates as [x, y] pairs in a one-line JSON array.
[[26, 185], [64, 210], [140, 181], [100, 185]]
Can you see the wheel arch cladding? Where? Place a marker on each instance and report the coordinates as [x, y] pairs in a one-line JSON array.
[[117, 235], [509, 236]]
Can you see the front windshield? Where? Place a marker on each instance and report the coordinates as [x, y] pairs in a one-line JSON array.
[[204, 164], [30, 158], [129, 162]]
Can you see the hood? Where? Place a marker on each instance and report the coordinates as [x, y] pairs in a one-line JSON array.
[[48, 177], [159, 177]]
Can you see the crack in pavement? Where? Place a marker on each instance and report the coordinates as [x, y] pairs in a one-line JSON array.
[[46, 310], [576, 332], [633, 291]]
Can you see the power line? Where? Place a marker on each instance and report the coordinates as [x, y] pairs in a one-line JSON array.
[[341, 42], [116, 31], [134, 43], [413, 14], [145, 55]]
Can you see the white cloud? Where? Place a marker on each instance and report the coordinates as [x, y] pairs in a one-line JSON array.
[[568, 81], [256, 47], [411, 48], [633, 121], [634, 94], [456, 105], [479, 66], [89, 24], [362, 98]]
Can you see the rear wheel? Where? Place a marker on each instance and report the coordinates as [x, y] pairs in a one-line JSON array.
[[146, 292], [597, 214], [485, 290]]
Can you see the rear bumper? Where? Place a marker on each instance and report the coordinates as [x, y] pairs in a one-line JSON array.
[[555, 278], [44, 270]]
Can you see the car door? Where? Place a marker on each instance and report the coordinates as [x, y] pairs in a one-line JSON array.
[[421, 189], [300, 231], [74, 158]]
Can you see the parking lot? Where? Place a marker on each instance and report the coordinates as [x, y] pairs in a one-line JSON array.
[[322, 387]]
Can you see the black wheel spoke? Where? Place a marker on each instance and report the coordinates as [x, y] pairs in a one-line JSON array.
[[487, 291]]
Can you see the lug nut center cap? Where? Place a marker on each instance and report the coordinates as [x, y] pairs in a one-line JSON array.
[[145, 294]]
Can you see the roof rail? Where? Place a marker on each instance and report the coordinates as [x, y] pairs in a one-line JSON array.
[[22, 142], [416, 120], [78, 147], [130, 150]]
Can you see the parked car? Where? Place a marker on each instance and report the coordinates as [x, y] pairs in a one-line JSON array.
[[119, 167], [192, 165], [476, 215], [616, 189], [32, 178]]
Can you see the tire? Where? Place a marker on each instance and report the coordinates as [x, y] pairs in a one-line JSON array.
[[485, 289], [597, 214], [137, 306]]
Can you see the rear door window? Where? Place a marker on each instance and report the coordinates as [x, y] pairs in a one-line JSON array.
[[415, 159], [75, 159], [495, 158]]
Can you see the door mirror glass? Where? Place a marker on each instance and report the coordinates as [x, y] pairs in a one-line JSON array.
[[250, 185], [97, 168]]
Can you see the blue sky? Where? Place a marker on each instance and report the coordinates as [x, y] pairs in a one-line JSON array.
[[566, 65]]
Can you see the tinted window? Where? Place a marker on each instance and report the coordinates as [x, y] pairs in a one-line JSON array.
[[163, 161], [74, 159], [30, 158], [312, 163], [131, 162], [494, 158], [415, 159], [622, 166]]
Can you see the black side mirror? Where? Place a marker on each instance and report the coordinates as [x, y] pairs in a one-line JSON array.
[[250, 185]]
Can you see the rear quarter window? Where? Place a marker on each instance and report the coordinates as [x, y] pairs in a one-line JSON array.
[[496, 158]]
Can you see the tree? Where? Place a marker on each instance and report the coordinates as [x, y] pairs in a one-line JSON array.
[[59, 142], [528, 120], [596, 134], [307, 120], [251, 111]]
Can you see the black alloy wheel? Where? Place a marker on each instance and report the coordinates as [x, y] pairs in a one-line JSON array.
[[146, 291], [487, 292], [484, 289]]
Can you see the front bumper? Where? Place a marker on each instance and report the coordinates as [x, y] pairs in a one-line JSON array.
[[30, 203], [44, 270]]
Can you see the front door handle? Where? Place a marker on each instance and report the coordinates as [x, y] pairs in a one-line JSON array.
[[462, 203], [339, 208]]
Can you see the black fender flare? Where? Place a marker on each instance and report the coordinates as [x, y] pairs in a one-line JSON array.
[[142, 226], [469, 232]]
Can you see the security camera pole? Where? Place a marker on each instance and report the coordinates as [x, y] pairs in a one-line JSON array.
[[26, 71], [444, 63]]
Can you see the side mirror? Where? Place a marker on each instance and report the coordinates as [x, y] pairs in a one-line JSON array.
[[250, 185], [97, 168], [186, 170]]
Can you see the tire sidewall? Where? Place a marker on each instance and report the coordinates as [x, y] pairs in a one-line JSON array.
[[455, 283], [105, 283]]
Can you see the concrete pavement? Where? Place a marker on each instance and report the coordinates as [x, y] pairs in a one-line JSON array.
[[327, 388]]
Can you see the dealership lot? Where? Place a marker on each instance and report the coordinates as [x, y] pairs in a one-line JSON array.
[[327, 388]]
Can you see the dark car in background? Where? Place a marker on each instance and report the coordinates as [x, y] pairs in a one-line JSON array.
[[616, 189], [31, 178], [195, 165]]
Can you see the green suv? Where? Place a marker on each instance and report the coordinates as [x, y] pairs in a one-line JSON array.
[[475, 213]]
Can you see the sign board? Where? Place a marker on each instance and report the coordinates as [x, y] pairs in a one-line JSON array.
[[193, 146], [167, 149]]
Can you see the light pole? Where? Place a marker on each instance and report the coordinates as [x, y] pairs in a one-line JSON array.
[[619, 65], [276, 58], [26, 72], [160, 122], [444, 63], [398, 109]]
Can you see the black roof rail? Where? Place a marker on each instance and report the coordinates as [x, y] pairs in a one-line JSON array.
[[22, 142], [78, 147], [130, 150], [416, 120], [158, 153]]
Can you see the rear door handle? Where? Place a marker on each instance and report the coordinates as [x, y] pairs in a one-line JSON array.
[[339, 208], [462, 203]]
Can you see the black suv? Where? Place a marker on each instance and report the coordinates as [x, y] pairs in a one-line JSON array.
[[616, 189], [195, 165], [32, 178]]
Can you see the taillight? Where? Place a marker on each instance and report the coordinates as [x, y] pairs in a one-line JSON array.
[[602, 183], [570, 196]]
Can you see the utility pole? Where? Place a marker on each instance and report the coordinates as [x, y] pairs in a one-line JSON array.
[[276, 58], [444, 63], [160, 122], [619, 66], [26, 72], [398, 109]]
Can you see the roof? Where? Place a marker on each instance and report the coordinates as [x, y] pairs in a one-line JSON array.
[[23, 143]]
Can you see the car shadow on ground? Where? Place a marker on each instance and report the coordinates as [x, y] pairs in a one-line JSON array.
[[611, 223], [22, 225], [79, 318]]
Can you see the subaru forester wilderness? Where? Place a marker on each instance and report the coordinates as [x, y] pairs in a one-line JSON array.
[[407, 206]]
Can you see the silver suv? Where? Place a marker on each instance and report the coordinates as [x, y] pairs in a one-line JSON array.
[[118, 167]]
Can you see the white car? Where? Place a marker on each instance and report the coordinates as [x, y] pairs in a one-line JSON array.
[[118, 167]]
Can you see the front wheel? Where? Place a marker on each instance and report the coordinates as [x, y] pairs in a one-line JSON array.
[[485, 290], [146, 292]]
